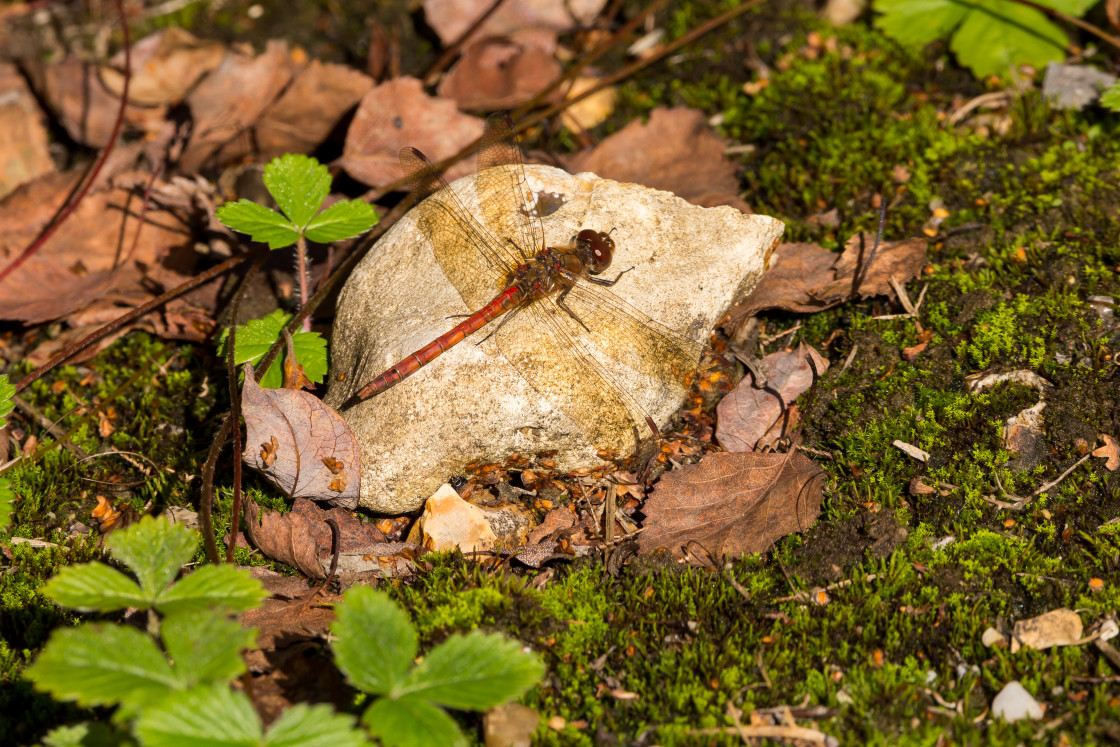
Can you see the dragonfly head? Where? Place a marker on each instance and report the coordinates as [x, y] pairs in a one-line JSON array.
[[596, 249]]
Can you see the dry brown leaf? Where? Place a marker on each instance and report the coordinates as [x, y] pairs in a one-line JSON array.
[[85, 259], [746, 414], [230, 100], [291, 662], [555, 521], [305, 432], [1110, 452], [676, 151], [75, 92], [399, 113], [732, 504], [1060, 627], [807, 277], [302, 538], [1112, 10], [498, 73], [23, 137], [450, 19], [304, 115], [165, 66]]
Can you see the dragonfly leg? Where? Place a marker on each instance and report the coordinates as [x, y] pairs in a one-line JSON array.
[[564, 306], [602, 281]]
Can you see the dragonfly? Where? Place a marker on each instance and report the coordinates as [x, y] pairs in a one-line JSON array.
[[552, 314]]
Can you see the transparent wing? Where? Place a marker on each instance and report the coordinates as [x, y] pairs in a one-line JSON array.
[[543, 344], [476, 261], [505, 200], [625, 334]]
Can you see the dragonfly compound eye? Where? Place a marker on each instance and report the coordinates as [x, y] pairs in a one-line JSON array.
[[601, 248]]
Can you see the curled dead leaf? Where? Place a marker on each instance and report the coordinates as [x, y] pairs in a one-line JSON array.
[[746, 416], [290, 435], [676, 151], [1110, 452], [732, 504], [302, 538]]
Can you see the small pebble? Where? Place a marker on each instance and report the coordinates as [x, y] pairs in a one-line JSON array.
[[1014, 703], [993, 637]]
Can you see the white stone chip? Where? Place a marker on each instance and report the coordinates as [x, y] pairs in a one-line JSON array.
[[1014, 703]]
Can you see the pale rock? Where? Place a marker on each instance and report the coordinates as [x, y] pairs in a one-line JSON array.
[[993, 637], [449, 522], [510, 725], [1014, 703], [1108, 630], [1060, 627], [691, 264]]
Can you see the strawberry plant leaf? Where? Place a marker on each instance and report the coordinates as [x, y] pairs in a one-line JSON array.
[[205, 646], [412, 723], [87, 734], [155, 550], [342, 220], [314, 726], [1110, 98], [474, 671], [7, 503], [261, 223], [919, 22], [256, 336], [95, 587], [374, 640], [991, 38], [213, 716], [97, 664], [212, 586], [7, 391], [299, 184]]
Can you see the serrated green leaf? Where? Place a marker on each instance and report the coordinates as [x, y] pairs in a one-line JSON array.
[[990, 37], [7, 503], [1110, 98], [919, 21], [474, 671], [7, 391], [1000, 35], [412, 723], [205, 646], [212, 586], [261, 223], [299, 184], [95, 587], [374, 640], [204, 717], [256, 336], [155, 550], [314, 726], [87, 734], [98, 664], [342, 220]]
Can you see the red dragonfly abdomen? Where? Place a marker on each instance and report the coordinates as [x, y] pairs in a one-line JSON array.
[[503, 302]]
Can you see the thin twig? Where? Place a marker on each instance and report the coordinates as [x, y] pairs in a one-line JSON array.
[[452, 50], [46, 424], [134, 314], [235, 407], [878, 240]]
